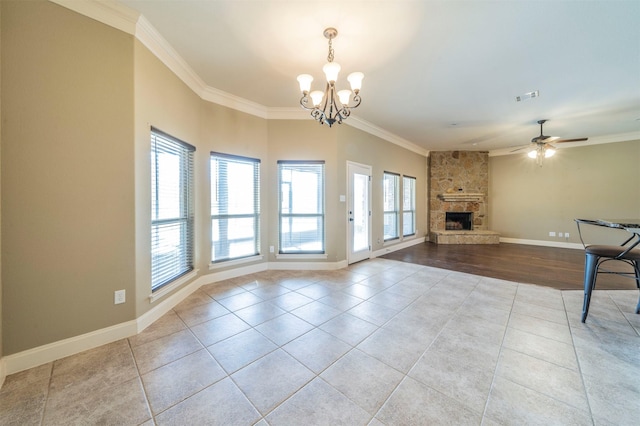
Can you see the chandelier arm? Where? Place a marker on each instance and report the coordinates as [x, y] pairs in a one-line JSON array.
[[357, 99], [318, 115], [304, 102]]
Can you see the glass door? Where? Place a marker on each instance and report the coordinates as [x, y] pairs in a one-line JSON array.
[[359, 212]]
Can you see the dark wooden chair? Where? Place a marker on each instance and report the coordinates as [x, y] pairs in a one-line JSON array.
[[597, 255]]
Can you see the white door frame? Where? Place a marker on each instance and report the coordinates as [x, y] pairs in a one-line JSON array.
[[362, 169]]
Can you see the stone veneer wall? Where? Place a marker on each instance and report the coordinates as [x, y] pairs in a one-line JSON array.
[[460, 172]]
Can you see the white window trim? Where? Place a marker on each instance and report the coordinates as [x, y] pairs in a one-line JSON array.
[[301, 256], [169, 288], [235, 262]]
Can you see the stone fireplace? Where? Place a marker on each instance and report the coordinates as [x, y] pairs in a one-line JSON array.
[[458, 187]]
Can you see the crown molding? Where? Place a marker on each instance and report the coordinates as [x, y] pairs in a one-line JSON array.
[[353, 121], [152, 40], [108, 12], [228, 100], [371, 128], [620, 137], [287, 113], [126, 19], [595, 140]]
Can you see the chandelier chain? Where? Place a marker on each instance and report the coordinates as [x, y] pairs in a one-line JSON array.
[[330, 55]]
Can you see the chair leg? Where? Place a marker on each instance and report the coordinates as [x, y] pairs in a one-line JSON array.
[[636, 268], [590, 266]]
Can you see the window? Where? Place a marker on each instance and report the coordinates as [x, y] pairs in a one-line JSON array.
[[235, 207], [301, 206], [391, 207], [171, 208], [408, 206]]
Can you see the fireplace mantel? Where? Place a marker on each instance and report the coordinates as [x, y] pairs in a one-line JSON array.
[[462, 196]]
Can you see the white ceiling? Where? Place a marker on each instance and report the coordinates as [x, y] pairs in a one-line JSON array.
[[440, 74]]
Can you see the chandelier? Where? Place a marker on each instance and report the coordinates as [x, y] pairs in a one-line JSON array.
[[330, 106], [541, 151]]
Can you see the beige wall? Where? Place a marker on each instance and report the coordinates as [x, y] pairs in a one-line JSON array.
[[67, 172], [1, 373], [597, 181]]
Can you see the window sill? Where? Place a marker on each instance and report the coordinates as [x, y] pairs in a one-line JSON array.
[[301, 256], [174, 285], [235, 262]]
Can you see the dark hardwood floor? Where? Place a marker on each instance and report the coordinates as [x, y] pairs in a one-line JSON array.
[[549, 266]]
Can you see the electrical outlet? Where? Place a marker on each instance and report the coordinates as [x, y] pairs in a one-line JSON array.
[[552, 234], [119, 296], [271, 249], [566, 235]]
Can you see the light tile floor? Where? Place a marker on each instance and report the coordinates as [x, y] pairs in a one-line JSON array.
[[380, 342]]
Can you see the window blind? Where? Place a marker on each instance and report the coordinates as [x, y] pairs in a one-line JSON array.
[[171, 208], [301, 206], [235, 207], [391, 206], [408, 206]]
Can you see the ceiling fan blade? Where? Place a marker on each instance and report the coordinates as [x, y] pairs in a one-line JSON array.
[[544, 138], [520, 149], [571, 140]]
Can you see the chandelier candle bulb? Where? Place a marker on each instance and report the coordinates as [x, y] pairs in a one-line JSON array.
[[305, 83], [316, 97], [331, 106], [344, 96], [331, 70], [355, 79]]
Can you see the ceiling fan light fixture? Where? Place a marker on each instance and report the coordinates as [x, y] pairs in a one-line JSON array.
[[330, 106], [549, 152], [533, 153]]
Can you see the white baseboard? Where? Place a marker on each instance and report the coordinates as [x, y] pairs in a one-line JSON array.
[[63, 348], [395, 247], [50, 352], [3, 372], [307, 266], [558, 244]]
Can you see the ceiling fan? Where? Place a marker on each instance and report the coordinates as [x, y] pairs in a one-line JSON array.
[[543, 148]]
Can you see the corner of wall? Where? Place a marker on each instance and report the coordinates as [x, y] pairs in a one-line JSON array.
[[2, 364]]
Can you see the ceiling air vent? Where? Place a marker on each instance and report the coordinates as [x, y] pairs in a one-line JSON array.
[[526, 96]]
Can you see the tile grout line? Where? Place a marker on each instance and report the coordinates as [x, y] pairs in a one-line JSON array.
[[495, 368], [575, 351]]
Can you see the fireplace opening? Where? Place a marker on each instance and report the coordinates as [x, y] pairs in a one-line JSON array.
[[459, 221]]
